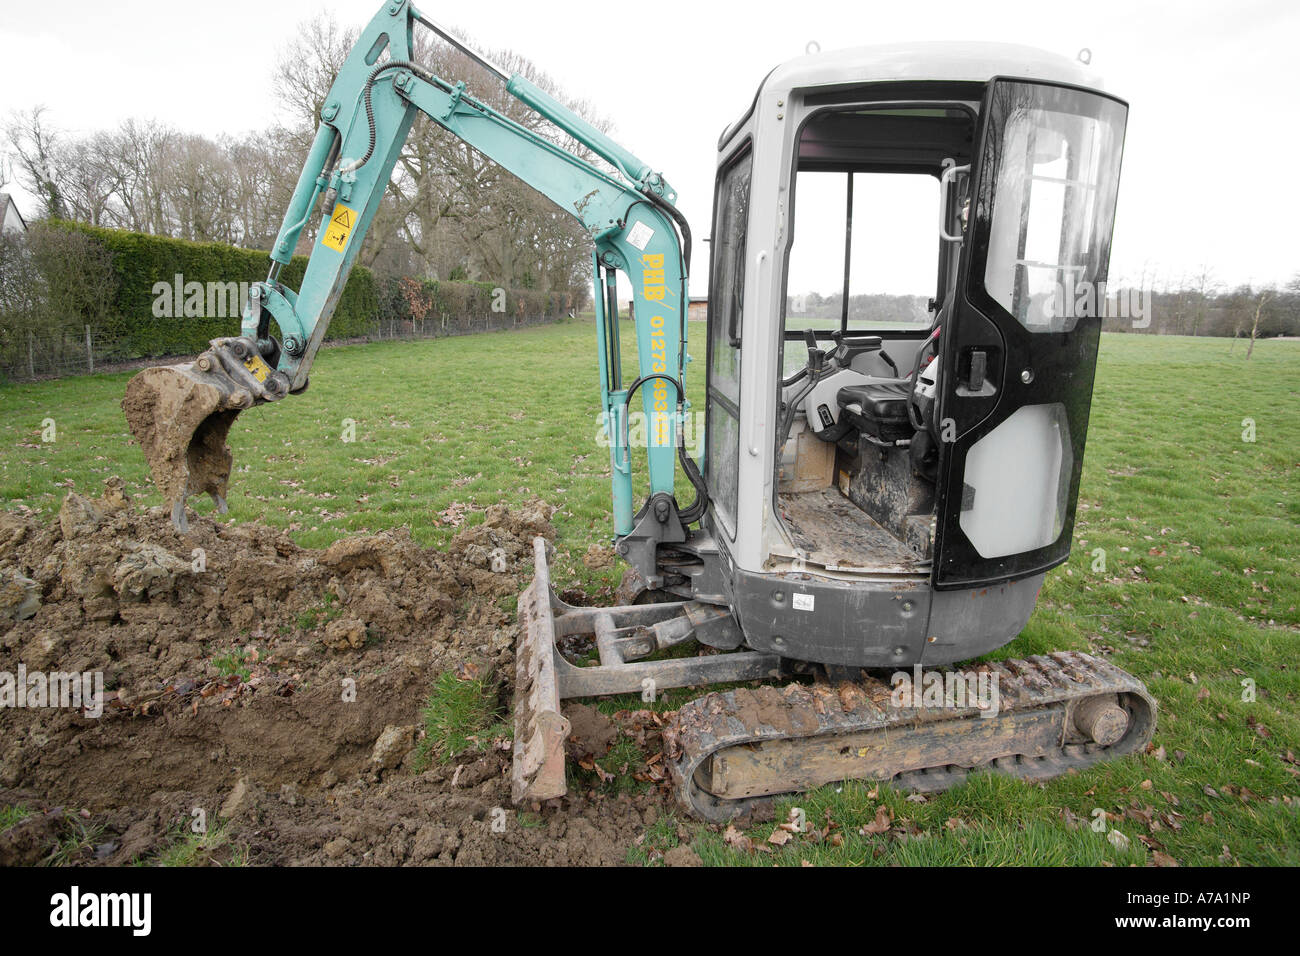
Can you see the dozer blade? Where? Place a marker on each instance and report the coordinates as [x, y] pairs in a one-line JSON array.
[[181, 415], [537, 770]]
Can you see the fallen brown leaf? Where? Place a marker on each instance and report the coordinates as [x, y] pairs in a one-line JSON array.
[[881, 824], [779, 837], [737, 840]]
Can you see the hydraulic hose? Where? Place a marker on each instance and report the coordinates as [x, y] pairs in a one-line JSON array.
[[370, 109], [696, 509]]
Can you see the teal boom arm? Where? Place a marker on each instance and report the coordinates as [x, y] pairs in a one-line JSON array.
[[628, 214]]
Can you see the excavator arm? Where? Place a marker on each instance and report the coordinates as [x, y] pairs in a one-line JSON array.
[[182, 414]]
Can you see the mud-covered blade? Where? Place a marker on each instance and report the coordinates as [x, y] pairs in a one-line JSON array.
[[537, 770]]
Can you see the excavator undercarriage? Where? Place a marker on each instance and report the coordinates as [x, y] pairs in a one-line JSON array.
[[731, 751]]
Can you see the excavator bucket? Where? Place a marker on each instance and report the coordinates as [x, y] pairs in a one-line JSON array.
[[537, 770], [181, 415]]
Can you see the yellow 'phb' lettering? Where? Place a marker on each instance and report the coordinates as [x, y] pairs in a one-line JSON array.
[[652, 276]]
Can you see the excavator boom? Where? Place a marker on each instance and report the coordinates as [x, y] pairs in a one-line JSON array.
[[181, 414]]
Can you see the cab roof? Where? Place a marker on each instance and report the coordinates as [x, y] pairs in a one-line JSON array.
[[924, 61], [929, 61]]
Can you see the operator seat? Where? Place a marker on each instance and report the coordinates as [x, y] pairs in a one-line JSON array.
[[878, 409]]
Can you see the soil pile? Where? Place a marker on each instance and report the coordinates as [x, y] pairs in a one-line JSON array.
[[276, 689]]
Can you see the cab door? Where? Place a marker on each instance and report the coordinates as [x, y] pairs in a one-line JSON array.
[[1020, 350], [722, 429]]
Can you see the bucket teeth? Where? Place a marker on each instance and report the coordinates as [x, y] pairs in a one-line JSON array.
[[537, 770]]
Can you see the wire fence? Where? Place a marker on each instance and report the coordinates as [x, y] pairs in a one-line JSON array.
[[436, 327], [31, 355], [28, 355]]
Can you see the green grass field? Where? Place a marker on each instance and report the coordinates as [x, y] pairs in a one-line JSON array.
[[1184, 570]]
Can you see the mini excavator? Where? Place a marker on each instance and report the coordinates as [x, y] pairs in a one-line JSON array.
[[872, 496]]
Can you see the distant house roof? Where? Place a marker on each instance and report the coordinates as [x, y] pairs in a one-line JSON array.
[[11, 220]]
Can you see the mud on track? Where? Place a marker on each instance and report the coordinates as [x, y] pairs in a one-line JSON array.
[[227, 653]]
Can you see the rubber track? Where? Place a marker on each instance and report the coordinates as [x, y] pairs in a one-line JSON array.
[[711, 724]]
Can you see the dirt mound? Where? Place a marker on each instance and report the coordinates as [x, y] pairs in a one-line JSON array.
[[274, 688]]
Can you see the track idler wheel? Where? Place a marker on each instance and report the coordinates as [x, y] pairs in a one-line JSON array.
[[1102, 720]]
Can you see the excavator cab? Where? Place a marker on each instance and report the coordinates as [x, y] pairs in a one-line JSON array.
[[915, 459]]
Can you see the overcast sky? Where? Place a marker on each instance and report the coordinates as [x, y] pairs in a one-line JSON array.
[[1209, 165]]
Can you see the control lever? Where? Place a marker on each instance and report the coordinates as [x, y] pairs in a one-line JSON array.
[[816, 355], [816, 362]]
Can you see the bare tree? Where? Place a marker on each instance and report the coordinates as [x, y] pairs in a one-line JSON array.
[[137, 155], [1254, 328], [306, 70], [35, 148], [88, 182], [1204, 286]]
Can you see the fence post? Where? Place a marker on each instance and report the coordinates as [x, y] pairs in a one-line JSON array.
[[90, 354], [31, 357]]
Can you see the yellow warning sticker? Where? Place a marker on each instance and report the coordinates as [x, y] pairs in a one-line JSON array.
[[258, 367], [336, 232]]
